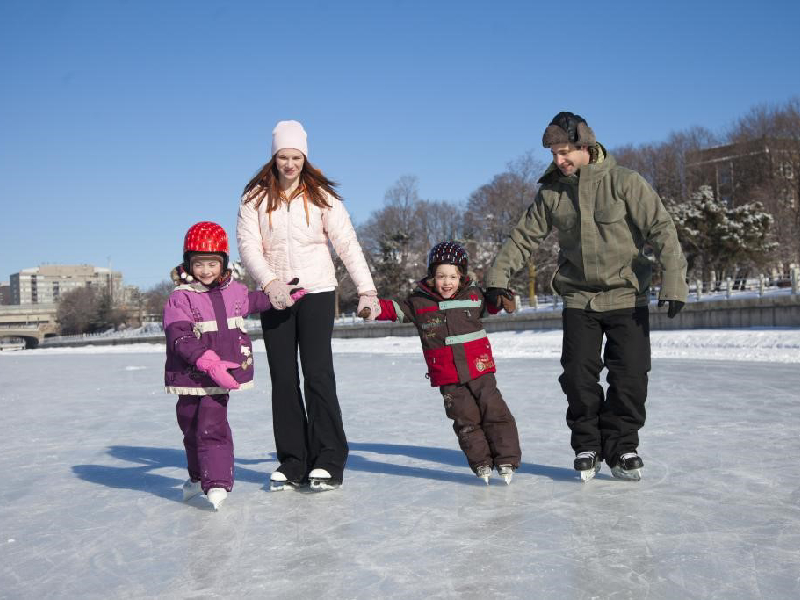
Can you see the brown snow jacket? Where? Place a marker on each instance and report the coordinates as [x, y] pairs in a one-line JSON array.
[[454, 342], [604, 217]]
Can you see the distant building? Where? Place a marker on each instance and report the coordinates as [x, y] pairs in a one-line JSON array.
[[131, 296], [5, 293], [46, 284], [737, 171]]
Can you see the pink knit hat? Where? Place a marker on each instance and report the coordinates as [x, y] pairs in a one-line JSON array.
[[289, 134]]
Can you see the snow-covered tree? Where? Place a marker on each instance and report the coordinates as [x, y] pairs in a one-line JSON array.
[[716, 237]]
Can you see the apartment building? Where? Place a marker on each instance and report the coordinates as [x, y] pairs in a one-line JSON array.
[[46, 284]]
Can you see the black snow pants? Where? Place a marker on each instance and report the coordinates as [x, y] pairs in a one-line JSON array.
[[606, 423], [307, 435], [485, 428]]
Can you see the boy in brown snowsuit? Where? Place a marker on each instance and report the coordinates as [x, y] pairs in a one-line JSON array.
[[446, 308]]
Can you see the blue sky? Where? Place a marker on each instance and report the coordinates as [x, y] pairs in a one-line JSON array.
[[122, 123]]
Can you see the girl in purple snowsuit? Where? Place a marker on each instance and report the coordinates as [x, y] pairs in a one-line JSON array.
[[208, 354]]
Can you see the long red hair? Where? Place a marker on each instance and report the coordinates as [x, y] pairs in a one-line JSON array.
[[264, 186]]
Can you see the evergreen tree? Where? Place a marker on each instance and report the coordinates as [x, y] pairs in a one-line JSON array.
[[716, 237]]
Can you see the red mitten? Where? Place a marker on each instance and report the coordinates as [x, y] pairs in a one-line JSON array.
[[217, 369]]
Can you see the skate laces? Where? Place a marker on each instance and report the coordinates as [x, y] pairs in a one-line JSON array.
[[628, 455], [588, 454]]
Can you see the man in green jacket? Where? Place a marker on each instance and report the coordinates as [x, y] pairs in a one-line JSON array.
[[606, 217]]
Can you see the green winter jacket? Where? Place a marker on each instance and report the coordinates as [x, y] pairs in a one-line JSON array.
[[604, 217]]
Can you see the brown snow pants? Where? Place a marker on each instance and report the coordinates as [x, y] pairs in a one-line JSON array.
[[486, 429]]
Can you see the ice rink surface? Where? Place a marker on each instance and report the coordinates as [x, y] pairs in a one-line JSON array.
[[92, 463]]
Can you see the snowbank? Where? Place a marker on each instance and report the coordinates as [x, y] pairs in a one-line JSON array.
[[749, 345]]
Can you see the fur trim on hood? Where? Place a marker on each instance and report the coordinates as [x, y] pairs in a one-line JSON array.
[[181, 276]]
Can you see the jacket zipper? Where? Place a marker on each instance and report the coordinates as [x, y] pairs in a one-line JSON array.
[[289, 239]]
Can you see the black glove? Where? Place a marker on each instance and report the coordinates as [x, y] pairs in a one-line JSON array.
[[673, 308], [501, 298]]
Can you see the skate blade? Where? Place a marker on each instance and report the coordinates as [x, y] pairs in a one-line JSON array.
[[279, 486], [507, 478], [630, 475], [322, 485], [589, 474], [189, 495]]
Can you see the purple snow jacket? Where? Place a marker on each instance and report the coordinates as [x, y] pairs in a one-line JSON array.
[[199, 318]]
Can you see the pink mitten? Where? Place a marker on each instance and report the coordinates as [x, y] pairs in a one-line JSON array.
[[368, 306], [217, 369], [283, 295]]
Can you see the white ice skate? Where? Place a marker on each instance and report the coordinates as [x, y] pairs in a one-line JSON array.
[[484, 473], [588, 464], [629, 467], [506, 473], [321, 481], [217, 496], [277, 482], [191, 489]]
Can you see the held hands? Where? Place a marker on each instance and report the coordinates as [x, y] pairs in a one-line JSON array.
[[501, 298], [283, 295], [368, 306], [216, 368], [673, 307]]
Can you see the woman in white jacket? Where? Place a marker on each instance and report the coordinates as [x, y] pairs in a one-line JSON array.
[[288, 214]]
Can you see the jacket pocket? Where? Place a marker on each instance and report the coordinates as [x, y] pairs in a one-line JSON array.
[[441, 366], [610, 214], [479, 357]]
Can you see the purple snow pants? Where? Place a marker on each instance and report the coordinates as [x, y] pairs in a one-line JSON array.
[[207, 438]]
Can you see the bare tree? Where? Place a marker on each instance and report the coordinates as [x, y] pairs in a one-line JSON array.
[[495, 208], [439, 221], [664, 164], [774, 180], [88, 309], [156, 297]]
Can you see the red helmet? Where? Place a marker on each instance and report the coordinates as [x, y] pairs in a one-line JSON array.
[[448, 253], [205, 237]]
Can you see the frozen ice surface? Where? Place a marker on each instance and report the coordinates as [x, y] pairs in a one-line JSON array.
[[92, 464]]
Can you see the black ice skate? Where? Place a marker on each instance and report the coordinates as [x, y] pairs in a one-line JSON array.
[[588, 463], [629, 467]]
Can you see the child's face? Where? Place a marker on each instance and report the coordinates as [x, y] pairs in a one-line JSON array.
[[206, 269], [446, 280]]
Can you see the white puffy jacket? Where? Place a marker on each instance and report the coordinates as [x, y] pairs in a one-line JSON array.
[[291, 247]]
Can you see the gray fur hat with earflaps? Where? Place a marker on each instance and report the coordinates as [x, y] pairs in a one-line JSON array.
[[567, 127]]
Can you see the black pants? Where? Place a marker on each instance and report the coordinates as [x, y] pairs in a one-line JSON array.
[[307, 435], [606, 423]]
